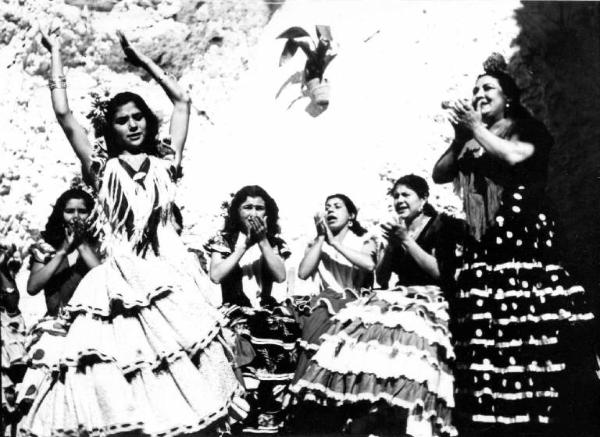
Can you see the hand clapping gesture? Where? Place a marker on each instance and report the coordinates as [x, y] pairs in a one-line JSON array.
[[463, 116], [395, 232], [323, 228]]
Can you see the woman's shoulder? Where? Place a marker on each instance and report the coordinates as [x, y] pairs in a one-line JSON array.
[[218, 243], [533, 131], [446, 225], [41, 252]]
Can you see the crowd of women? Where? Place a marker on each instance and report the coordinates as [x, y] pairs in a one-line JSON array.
[[432, 326]]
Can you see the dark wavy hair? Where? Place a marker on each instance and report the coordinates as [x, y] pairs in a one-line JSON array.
[[150, 144], [233, 223], [54, 233], [355, 226], [495, 66], [420, 186]]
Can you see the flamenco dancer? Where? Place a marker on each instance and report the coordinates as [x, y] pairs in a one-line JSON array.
[[516, 311], [155, 364], [247, 260], [12, 325], [386, 357]]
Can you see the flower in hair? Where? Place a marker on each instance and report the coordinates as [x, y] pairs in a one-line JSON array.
[[98, 113], [495, 63]]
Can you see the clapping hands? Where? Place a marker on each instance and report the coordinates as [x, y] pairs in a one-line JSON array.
[[322, 227], [463, 116], [395, 232], [256, 231]]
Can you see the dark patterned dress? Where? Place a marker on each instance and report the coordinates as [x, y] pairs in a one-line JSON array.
[[515, 307], [14, 355], [387, 356], [265, 333]]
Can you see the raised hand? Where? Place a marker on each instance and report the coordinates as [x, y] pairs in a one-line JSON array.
[[132, 55], [320, 223], [51, 38], [454, 112], [466, 115]]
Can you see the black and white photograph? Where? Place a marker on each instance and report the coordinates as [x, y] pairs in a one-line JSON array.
[[326, 218]]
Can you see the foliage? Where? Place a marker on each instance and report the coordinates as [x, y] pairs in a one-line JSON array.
[[319, 53]]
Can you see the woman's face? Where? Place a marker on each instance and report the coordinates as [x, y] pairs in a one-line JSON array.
[[75, 209], [129, 125], [336, 214], [252, 207], [488, 93], [407, 203]]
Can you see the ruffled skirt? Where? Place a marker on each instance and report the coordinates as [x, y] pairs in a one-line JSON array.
[[514, 308], [391, 348], [139, 351], [265, 351], [14, 360]]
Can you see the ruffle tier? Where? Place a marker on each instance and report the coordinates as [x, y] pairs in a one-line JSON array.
[[513, 306], [14, 357], [128, 358], [392, 346]]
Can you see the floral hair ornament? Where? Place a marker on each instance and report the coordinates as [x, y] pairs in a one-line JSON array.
[[98, 113]]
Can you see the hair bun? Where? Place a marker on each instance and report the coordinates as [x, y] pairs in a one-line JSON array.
[[495, 63]]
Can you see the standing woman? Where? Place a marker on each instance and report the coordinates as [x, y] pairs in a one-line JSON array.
[[155, 363], [12, 325], [515, 307], [386, 357], [341, 258], [247, 260]]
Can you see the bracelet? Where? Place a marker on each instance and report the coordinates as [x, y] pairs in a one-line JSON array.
[[60, 82]]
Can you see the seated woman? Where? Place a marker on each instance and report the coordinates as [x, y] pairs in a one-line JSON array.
[[12, 325], [247, 260], [68, 251], [341, 258], [58, 263], [386, 356], [517, 313]]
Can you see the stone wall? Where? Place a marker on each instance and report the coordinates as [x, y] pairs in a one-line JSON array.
[[558, 63]]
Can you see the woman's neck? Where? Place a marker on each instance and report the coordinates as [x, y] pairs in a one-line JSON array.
[[341, 234]]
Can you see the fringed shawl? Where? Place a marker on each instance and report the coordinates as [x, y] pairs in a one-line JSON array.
[[482, 179], [481, 195], [131, 205]]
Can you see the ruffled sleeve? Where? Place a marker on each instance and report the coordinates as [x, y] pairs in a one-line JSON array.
[[40, 252], [217, 244]]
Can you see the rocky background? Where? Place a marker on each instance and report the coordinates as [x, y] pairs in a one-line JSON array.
[[251, 122]]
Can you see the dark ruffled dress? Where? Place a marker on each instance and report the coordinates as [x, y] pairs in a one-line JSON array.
[[515, 307], [265, 334], [14, 355]]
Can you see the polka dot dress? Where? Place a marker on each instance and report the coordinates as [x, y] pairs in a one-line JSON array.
[[511, 309]]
